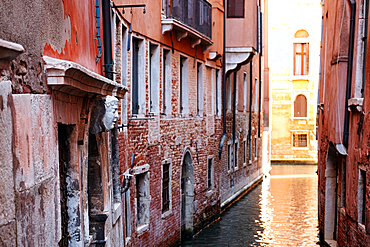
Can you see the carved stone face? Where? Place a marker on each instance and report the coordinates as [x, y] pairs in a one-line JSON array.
[[111, 112]]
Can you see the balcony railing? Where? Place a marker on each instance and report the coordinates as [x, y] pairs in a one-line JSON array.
[[196, 14]]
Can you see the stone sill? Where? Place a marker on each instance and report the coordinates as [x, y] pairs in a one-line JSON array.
[[142, 228], [356, 104], [74, 79], [166, 214], [8, 52]]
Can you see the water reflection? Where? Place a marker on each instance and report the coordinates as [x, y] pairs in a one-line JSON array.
[[280, 211]]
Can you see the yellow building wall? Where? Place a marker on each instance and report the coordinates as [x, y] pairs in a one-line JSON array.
[[284, 22]]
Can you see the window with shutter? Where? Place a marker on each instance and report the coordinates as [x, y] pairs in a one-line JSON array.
[[235, 9], [301, 59], [300, 106]]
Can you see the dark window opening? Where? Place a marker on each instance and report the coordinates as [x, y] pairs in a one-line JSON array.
[[235, 9], [210, 172], [166, 188]]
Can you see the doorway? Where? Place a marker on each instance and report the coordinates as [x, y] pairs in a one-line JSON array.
[[330, 229], [187, 196]]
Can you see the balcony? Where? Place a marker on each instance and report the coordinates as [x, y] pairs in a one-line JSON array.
[[191, 18]]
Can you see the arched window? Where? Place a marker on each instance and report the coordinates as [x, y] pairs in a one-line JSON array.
[[300, 53], [300, 106], [301, 34]]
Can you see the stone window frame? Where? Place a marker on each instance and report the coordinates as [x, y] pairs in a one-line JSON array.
[[127, 212], [210, 179], [229, 83], [305, 63], [250, 150], [200, 86], [245, 146], [256, 95], [154, 77], [140, 170], [218, 92], [184, 86], [229, 156], [299, 132], [361, 193], [300, 40], [296, 94], [236, 155], [255, 148], [165, 214], [166, 107], [141, 76], [124, 72], [245, 89]]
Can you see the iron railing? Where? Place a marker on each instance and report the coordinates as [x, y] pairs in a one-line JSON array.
[[196, 14]]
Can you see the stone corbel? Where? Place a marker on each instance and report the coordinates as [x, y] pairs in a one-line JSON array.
[[213, 55], [166, 27], [236, 57], [206, 48], [355, 103], [195, 42], [181, 35]]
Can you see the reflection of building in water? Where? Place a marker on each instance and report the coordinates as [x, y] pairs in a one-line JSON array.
[[294, 200], [294, 69]]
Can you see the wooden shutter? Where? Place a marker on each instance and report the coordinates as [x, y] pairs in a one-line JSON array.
[[300, 106], [235, 8]]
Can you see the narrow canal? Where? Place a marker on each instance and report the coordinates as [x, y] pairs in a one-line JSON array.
[[280, 211]]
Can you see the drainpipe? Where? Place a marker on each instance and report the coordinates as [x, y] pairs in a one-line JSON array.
[[349, 71], [98, 220], [223, 86], [234, 105], [107, 36], [250, 101], [319, 87]]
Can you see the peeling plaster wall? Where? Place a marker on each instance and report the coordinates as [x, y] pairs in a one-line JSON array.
[[51, 28], [7, 196]]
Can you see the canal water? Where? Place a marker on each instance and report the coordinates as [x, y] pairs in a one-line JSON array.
[[279, 211]]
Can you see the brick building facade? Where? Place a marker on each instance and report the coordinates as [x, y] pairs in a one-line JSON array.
[[343, 139], [183, 147]]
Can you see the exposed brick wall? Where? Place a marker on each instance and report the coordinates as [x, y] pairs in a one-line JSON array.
[[175, 135]]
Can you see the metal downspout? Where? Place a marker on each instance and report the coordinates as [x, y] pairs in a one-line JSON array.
[[107, 36], [223, 87], [234, 105], [349, 71], [319, 86]]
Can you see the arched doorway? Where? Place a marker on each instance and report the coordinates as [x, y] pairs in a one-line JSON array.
[[187, 196]]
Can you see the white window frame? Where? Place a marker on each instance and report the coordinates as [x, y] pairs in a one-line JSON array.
[[141, 75], [166, 82], [184, 86], [140, 170], [200, 97], [218, 92], [154, 77]]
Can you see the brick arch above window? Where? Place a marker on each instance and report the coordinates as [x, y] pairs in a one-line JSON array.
[[300, 106]]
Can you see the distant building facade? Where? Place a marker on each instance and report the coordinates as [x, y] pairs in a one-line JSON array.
[[126, 128], [343, 123], [294, 72]]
